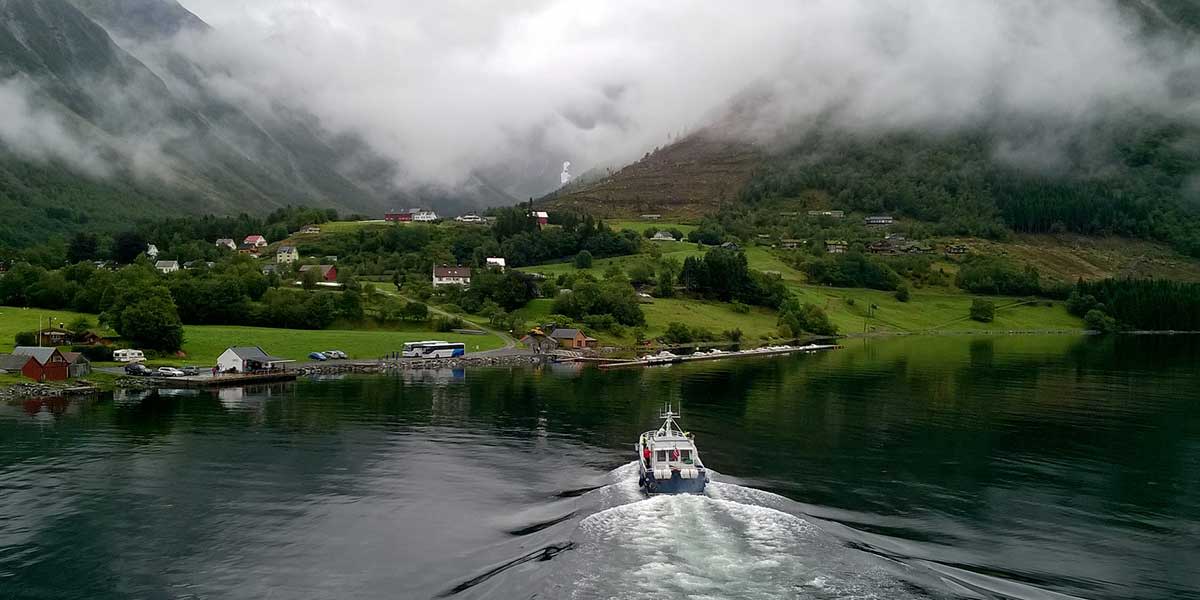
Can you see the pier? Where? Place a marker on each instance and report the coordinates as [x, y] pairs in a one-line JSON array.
[[208, 381], [669, 359]]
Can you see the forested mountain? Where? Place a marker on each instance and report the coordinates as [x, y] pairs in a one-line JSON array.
[[1125, 172], [106, 121]]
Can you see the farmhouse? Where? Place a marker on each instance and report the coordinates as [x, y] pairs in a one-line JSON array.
[[227, 243], [257, 241], [55, 336], [542, 217], [248, 249], [152, 251], [451, 276], [326, 273], [247, 359], [833, 214], [424, 216], [572, 339], [167, 266], [882, 247], [397, 216], [836, 246], [878, 221], [497, 262], [470, 218], [651, 217], [46, 364], [310, 229], [663, 236], [287, 255], [957, 249], [792, 244]]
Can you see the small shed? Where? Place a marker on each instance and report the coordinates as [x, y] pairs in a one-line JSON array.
[[572, 339], [48, 364], [77, 364]]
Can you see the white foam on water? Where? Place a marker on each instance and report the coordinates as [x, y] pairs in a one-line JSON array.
[[700, 547]]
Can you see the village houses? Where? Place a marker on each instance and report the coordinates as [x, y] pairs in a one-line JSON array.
[[471, 218], [227, 243], [287, 255], [878, 221], [325, 273], [663, 236], [451, 276], [836, 246], [497, 262], [310, 230], [572, 339], [152, 251], [167, 266], [257, 241]]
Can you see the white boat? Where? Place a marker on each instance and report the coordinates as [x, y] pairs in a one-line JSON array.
[[668, 460]]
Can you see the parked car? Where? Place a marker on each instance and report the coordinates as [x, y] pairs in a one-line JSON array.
[[169, 372], [317, 356], [137, 370], [191, 371], [335, 354]]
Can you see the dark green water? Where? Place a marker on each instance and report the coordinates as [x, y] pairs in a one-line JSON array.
[[1015, 467]]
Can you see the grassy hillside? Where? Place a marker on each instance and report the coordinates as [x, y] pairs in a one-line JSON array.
[[686, 179]]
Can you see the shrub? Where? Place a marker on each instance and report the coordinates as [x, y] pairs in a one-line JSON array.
[[444, 324], [1097, 320], [583, 260], [733, 335], [678, 333], [902, 293], [26, 338], [95, 353], [796, 318], [739, 308], [983, 311]]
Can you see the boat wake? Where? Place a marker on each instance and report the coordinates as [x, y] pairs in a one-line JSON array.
[[731, 542]]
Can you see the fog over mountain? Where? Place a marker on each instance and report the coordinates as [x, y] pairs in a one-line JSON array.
[[447, 88], [373, 103]]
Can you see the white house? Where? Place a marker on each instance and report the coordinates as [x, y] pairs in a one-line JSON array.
[[470, 218], [424, 216], [287, 255], [879, 220], [257, 241], [226, 243], [245, 359], [152, 251], [451, 276], [167, 266], [310, 229], [663, 236], [496, 261]]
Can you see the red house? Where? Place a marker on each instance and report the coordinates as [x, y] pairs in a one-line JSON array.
[[398, 217], [543, 217], [327, 273], [45, 364]]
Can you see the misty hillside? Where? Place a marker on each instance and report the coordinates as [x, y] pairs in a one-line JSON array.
[[1127, 172], [107, 122]]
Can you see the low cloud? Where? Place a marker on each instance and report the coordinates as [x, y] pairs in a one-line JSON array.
[[40, 134]]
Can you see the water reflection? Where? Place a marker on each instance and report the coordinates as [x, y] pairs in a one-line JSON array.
[[1003, 466]]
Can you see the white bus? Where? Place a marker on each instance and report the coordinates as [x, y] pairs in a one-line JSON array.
[[126, 355], [433, 349]]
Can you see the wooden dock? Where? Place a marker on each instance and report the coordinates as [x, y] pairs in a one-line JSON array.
[[653, 360], [232, 380]]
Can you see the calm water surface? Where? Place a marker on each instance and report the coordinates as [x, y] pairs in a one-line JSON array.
[[1016, 467]]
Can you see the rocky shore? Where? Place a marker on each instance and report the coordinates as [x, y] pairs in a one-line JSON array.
[[23, 391]]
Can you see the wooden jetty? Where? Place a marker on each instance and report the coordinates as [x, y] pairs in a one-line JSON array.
[[653, 360]]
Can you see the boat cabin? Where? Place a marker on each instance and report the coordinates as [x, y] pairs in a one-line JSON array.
[[670, 450]]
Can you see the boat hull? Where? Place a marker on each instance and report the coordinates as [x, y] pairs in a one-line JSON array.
[[675, 485]]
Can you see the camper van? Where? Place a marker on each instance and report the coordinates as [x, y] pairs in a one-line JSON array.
[[126, 355]]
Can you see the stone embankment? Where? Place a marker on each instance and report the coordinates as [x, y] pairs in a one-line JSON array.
[[507, 360], [22, 391]]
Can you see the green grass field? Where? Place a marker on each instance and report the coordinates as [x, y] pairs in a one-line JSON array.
[[203, 343], [351, 226], [928, 311]]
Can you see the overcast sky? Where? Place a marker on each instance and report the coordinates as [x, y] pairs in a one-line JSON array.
[[444, 87]]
